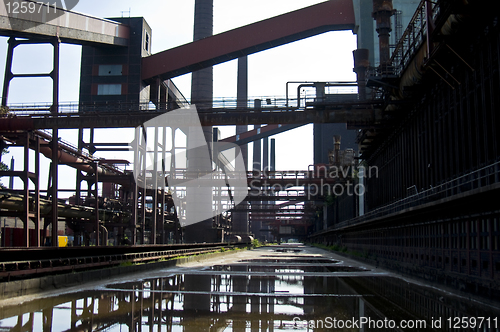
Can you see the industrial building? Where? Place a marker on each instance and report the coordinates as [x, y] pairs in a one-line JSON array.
[[406, 161]]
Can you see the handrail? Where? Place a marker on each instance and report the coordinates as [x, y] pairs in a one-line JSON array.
[[486, 175], [270, 103]]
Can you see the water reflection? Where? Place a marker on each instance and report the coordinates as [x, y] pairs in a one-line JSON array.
[[240, 298]]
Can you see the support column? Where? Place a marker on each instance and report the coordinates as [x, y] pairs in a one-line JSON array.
[[96, 195], [265, 154], [255, 225], [240, 219], [163, 183], [8, 70], [26, 193], [272, 166], [242, 100], [55, 145], [257, 164], [135, 198], [155, 188], [36, 197], [202, 97]]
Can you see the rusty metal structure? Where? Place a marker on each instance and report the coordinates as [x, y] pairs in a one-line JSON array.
[[425, 114], [430, 208], [121, 78]]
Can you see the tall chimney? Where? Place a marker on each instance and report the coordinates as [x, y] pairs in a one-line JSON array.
[[382, 12], [202, 97]]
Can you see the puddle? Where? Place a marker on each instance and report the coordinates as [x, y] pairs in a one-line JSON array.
[[287, 268], [287, 250], [291, 260], [248, 296], [292, 256]]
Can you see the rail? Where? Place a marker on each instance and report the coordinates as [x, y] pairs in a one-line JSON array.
[[413, 37], [482, 177], [34, 267], [262, 103]]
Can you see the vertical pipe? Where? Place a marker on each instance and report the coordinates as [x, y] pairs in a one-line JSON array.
[[79, 175], [257, 153], [37, 192], [55, 145], [242, 100], [155, 188], [163, 183], [26, 192], [382, 12], [11, 179], [265, 154], [202, 97], [273, 155], [202, 80], [172, 172], [96, 194], [8, 70], [135, 198], [361, 64], [143, 161]]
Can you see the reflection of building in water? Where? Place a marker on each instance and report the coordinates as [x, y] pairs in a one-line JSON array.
[[236, 298]]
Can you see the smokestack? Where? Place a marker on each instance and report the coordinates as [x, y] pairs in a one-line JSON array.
[[361, 64], [202, 80], [202, 97], [240, 219], [382, 12]]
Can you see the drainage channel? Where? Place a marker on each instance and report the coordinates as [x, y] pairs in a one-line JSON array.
[[257, 290]]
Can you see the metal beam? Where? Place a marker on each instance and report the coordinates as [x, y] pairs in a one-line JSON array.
[[330, 15]]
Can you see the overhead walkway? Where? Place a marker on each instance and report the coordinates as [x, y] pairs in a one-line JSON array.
[[357, 114]]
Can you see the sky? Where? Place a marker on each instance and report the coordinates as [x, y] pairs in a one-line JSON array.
[[327, 57]]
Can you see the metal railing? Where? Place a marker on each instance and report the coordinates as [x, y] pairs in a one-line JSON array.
[[260, 104], [413, 37], [479, 178]]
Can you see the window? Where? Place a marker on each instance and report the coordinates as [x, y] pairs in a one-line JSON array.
[[146, 41], [110, 70], [109, 89]]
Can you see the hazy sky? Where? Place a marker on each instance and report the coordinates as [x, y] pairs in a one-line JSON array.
[[327, 57]]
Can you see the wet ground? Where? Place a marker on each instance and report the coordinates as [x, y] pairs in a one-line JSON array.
[[288, 288]]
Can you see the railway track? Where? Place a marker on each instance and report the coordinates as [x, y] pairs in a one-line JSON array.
[[17, 263]]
